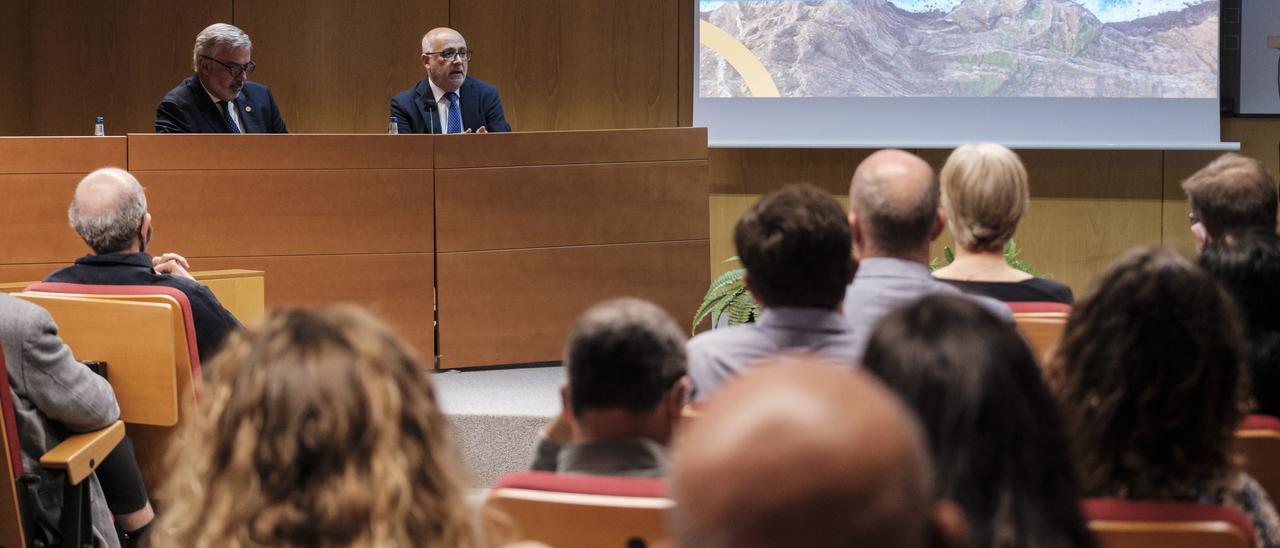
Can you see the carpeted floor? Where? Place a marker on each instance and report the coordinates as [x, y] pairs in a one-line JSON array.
[[497, 415]]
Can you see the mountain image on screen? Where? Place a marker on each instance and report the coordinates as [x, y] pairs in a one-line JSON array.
[[965, 48]]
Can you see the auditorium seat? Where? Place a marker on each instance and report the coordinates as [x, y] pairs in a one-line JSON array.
[[1160, 524], [572, 510], [1257, 445], [146, 336], [78, 455], [1041, 324]]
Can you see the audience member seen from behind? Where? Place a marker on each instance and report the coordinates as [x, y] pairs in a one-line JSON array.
[[893, 215], [109, 212], [625, 361], [995, 434], [1232, 193], [54, 397], [984, 195], [1150, 381], [1247, 264], [797, 251], [317, 429], [799, 452]]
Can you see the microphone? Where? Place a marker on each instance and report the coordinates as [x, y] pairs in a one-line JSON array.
[[431, 116]]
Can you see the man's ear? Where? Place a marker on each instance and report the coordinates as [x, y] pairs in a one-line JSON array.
[[566, 402], [426, 59], [939, 224], [677, 397], [1202, 235], [145, 228], [855, 230], [947, 526]]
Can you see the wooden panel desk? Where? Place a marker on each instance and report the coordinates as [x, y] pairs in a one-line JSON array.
[[329, 218], [533, 228]]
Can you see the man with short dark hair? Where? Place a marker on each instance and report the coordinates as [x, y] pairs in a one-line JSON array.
[[625, 361], [894, 213], [1232, 193], [796, 248], [800, 453], [1247, 264], [109, 212]]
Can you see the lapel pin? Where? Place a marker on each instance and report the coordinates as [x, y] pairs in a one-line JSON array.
[[248, 108]]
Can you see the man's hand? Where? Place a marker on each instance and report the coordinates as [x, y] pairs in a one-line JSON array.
[[173, 264], [481, 130]]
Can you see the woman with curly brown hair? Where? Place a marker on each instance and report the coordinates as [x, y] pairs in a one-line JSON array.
[[1150, 378], [317, 429]]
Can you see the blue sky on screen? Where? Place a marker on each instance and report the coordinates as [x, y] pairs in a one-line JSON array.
[[1109, 11]]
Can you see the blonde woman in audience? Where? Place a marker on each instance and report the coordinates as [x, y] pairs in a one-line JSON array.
[[317, 429], [984, 195], [1151, 382]]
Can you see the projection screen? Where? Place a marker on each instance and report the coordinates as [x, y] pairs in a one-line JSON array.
[[936, 73]]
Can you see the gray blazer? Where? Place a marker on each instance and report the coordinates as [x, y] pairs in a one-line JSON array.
[[54, 396]]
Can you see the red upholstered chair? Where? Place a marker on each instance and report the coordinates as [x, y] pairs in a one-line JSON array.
[[1159, 524], [572, 510], [147, 337], [78, 455], [1257, 448], [1041, 324]]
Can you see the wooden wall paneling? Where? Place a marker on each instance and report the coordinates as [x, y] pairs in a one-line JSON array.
[[1258, 137], [267, 152], [111, 58], [577, 64], [578, 147], [763, 170], [396, 287], [73, 155], [571, 205], [544, 290], [15, 64], [685, 15], [286, 212], [333, 65]]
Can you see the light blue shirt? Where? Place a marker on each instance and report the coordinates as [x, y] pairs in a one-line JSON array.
[[718, 355], [883, 284]]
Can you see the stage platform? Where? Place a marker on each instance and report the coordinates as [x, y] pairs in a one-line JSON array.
[[497, 414]]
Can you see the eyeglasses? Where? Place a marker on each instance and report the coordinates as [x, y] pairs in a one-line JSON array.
[[235, 69], [451, 53]]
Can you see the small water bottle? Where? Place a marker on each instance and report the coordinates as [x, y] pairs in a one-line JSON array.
[[393, 126], [99, 128]]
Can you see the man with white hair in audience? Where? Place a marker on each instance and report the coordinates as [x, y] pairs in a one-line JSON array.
[[109, 212], [797, 452], [625, 360], [219, 98], [894, 213]]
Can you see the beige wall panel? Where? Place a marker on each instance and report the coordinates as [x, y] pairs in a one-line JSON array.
[[571, 205], [1071, 240], [333, 65], [15, 64], [1258, 137], [75, 155], [32, 272], [110, 58], [398, 288], [503, 307], [761, 170], [577, 64], [285, 212]]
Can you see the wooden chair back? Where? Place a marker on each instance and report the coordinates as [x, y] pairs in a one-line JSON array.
[[577, 511], [1156, 524], [1043, 332]]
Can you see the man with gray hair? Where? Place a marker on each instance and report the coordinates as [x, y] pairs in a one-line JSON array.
[[447, 100], [109, 212], [625, 361], [894, 213], [219, 98]]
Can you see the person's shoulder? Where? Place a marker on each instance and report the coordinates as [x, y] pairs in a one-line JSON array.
[[480, 85], [181, 93], [13, 307], [1057, 291], [255, 91], [722, 337]]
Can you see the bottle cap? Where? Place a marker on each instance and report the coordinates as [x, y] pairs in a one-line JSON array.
[[98, 120]]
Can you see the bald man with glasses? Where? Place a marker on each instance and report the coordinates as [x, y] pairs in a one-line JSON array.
[[447, 100], [219, 98]]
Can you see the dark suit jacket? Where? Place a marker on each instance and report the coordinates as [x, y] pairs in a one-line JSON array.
[[188, 109], [415, 108]]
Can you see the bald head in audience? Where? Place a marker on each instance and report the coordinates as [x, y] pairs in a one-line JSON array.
[[800, 453], [109, 212], [894, 206]]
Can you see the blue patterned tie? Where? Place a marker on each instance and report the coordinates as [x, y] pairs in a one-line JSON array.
[[455, 113], [226, 114]]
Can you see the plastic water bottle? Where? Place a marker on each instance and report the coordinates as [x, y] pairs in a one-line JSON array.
[[393, 126], [99, 128]]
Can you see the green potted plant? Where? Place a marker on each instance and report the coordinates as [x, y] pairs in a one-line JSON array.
[[727, 299]]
